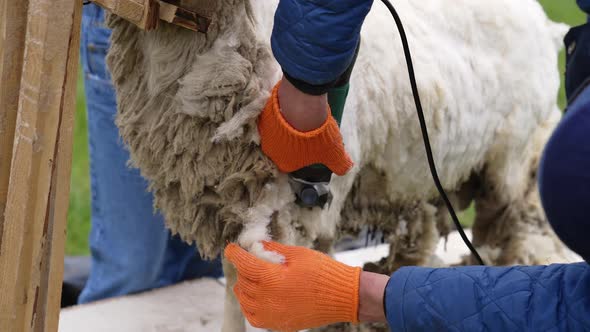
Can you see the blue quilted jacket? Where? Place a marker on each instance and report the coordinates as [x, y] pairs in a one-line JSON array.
[[538, 298], [315, 40], [585, 5]]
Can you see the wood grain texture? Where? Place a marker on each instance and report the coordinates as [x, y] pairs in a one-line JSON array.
[[52, 266], [37, 180], [147, 13], [13, 20], [135, 11], [183, 17]]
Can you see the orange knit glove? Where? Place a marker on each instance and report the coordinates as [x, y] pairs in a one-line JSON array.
[[292, 150], [308, 290]]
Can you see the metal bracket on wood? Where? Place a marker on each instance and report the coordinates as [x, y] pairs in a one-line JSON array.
[[146, 14]]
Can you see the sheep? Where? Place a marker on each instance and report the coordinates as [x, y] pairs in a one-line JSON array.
[[486, 71]]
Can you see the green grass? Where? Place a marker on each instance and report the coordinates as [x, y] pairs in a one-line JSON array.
[[565, 11], [79, 212]]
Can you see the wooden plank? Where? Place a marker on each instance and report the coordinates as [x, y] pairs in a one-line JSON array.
[[150, 18], [143, 13], [184, 18], [13, 15], [146, 13], [44, 104], [128, 9], [52, 265]]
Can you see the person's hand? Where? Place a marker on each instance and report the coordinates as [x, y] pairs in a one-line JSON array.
[[297, 130], [302, 111], [309, 289]]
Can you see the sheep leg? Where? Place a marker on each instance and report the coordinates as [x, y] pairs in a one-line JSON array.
[[324, 245], [233, 319], [515, 231], [410, 243]]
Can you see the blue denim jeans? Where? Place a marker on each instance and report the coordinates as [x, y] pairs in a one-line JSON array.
[[131, 249]]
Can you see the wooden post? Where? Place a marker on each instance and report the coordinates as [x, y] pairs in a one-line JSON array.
[[32, 240], [52, 264], [142, 13], [13, 20], [146, 14]]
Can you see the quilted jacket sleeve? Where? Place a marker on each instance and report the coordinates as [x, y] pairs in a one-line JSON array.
[[540, 298], [585, 5], [315, 40]]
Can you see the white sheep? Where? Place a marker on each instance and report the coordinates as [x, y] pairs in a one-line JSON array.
[[487, 75]]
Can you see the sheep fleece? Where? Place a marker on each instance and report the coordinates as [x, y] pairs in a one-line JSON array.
[[188, 103]]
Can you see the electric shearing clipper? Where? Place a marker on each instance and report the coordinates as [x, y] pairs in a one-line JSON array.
[[311, 185]]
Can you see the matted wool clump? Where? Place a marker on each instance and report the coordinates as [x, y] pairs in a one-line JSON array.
[[179, 94]]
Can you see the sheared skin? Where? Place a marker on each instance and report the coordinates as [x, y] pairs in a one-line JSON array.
[[488, 80]]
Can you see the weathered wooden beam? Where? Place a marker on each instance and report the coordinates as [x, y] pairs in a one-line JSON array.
[[183, 17], [13, 21], [52, 266], [31, 254], [143, 13], [147, 13]]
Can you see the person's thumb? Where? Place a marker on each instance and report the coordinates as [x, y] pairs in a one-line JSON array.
[[289, 252], [277, 247], [248, 265]]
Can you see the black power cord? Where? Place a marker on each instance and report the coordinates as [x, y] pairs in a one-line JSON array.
[[433, 171]]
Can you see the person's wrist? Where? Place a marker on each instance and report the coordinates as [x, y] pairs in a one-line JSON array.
[[337, 284], [302, 111], [371, 293]]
